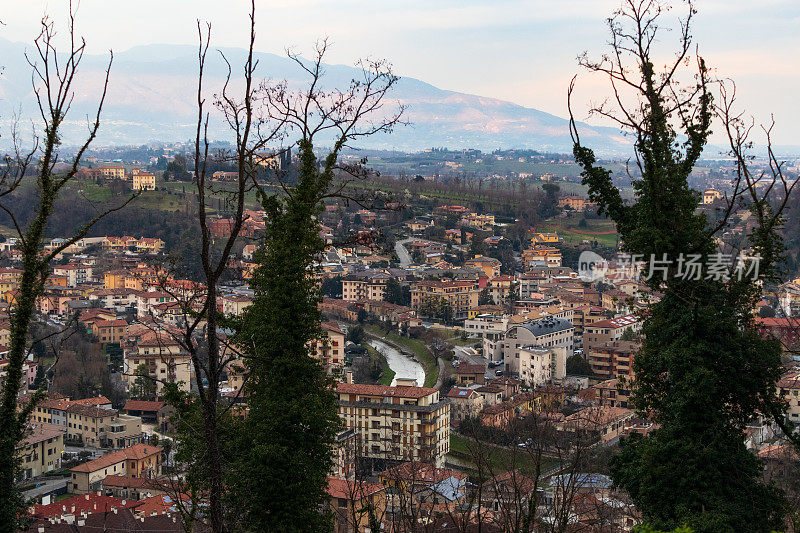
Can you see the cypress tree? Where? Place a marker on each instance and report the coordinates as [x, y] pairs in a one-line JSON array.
[[703, 371]]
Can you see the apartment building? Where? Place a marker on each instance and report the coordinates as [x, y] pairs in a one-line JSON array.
[[536, 366], [613, 359], [612, 393], [464, 403], [40, 450], [500, 288], [365, 285], [118, 300], [477, 221], [112, 331], [329, 350], [544, 238], [137, 461], [541, 256], [235, 304], [105, 428], [397, 423], [75, 273], [597, 334], [460, 295], [549, 332], [165, 359], [789, 298], [606, 423], [489, 265]]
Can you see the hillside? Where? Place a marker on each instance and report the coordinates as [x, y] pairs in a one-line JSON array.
[[152, 97]]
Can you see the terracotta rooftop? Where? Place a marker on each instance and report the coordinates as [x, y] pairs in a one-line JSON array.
[[383, 390], [135, 452]]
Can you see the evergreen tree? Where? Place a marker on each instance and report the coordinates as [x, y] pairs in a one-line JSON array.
[[293, 418], [702, 371]]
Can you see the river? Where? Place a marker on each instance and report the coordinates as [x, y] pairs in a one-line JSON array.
[[402, 365]]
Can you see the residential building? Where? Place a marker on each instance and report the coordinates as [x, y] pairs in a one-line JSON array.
[[789, 388], [40, 450], [329, 350], [165, 359], [613, 393], [605, 423], [544, 238], [481, 222], [489, 265], [500, 288], [365, 285], [75, 273], [467, 374], [789, 298], [235, 304], [576, 203], [97, 427], [597, 334], [549, 332], [107, 172], [350, 501], [541, 256], [460, 295], [710, 196], [613, 359], [137, 461], [464, 403], [143, 181], [397, 423]]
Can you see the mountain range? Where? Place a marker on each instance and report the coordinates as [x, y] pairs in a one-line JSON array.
[[152, 97]]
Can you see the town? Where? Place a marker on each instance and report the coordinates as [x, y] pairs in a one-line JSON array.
[[509, 267], [446, 346]]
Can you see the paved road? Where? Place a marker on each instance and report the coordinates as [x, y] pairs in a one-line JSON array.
[[47, 486], [402, 253]]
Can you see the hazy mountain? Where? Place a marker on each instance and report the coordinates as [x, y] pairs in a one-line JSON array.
[[152, 96]]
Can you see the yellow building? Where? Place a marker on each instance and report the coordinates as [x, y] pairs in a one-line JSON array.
[[489, 265], [40, 451], [143, 181], [576, 203], [107, 172], [330, 349], [460, 295], [544, 238], [397, 423]]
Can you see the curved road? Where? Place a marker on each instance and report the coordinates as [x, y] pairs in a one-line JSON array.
[[402, 253]]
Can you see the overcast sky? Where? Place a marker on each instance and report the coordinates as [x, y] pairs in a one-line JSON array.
[[518, 50]]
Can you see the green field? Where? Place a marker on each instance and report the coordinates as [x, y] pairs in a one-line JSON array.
[[601, 230]]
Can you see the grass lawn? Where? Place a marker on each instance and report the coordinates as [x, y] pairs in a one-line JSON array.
[[500, 458], [424, 356], [601, 230]]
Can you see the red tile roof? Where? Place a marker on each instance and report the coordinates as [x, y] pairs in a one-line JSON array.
[[143, 405], [384, 390], [84, 503], [135, 452], [341, 488]]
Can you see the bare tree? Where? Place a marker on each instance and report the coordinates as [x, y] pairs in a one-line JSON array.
[[53, 78]]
